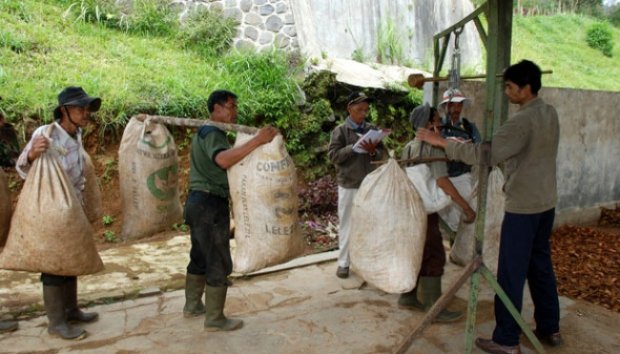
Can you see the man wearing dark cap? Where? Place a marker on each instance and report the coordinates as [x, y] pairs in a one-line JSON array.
[[428, 288], [351, 167], [65, 141]]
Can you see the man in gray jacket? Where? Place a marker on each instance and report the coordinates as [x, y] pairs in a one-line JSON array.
[[351, 167], [527, 143]]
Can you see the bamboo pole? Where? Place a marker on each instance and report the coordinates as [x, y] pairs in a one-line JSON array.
[[414, 161], [193, 122]]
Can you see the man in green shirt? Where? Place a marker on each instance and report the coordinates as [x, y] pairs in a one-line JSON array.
[[527, 143], [207, 212]]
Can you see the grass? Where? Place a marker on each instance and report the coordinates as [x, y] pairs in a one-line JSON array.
[[558, 43]]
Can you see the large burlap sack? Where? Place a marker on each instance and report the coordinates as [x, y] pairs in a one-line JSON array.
[[265, 207], [49, 229], [388, 230], [93, 206], [148, 175], [5, 207], [465, 242], [433, 197]]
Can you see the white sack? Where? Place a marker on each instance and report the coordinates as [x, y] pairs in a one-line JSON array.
[[148, 169], [433, 197], [265, 207], [464, 244], [451, 215], [388, 230]]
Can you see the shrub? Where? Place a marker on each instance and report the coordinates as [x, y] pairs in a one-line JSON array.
[[599, 37], [209, 31], [320, 196]]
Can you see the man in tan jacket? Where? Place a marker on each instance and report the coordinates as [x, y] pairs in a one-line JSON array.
[[527, 143]]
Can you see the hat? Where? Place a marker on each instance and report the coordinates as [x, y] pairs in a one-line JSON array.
[[357, 97], [76, 96], [454, 95], [420, 116]]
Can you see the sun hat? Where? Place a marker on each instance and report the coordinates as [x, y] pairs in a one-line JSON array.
[[76, 96]]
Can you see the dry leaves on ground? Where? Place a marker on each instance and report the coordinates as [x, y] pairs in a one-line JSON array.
[[587, 264]]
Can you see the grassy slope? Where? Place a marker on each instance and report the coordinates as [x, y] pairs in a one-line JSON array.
[[558, 43]]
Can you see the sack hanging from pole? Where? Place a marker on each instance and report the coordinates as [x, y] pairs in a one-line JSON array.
[[92, 193], [148, 168], [388, 230], [49, 229], [465, 242], [5, 207], [265, 207]]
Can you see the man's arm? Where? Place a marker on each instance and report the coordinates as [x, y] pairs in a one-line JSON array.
[[447, 186], [338, 151], [227, 158]]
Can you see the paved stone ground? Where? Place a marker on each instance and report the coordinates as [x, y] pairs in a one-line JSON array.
[[303, 309]]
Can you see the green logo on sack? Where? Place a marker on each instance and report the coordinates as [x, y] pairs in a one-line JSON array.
[[163, 183]]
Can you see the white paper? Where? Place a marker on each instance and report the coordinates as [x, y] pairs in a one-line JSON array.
[[373, 136]]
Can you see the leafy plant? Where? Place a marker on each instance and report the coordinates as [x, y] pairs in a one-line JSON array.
[[358, 55], [110, 236], [110, 167], [389, 46], [107, 220], [320, 196], [599, 37], [180, 227], [208, 31]]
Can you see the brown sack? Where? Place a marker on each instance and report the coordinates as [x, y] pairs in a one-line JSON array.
[[92, 193], [49, 230], [148, 168], [265, 207], [5, 208]]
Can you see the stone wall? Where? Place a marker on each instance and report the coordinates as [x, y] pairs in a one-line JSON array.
[[263, 24]]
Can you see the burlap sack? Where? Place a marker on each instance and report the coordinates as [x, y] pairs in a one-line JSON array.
[[5, 208], [464, 244], [388, 230], [49, 229], [265, 207], [92, 193], [148, 175]]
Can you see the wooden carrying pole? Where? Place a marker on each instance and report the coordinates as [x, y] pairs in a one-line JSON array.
[[193, 122], [418, 80]]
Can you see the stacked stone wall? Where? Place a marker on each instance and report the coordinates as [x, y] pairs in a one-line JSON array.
[[263, 24]]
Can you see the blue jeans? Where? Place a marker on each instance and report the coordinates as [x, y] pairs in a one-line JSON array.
[[208, 217], [524, 253]]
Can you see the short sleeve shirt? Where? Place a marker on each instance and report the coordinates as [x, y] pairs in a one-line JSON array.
[[204, 174]]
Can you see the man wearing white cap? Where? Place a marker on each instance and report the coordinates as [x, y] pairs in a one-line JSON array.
[[455, 126]]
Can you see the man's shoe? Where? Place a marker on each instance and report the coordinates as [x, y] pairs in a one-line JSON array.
[[552, 340], [489, 346], [342, 272]]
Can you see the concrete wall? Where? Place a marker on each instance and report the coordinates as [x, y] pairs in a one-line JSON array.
[[589, 150]]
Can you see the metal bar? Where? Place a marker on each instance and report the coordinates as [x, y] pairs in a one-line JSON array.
[[439, 305], [462, 22], [488, 276], [481, 32], [193, 122]]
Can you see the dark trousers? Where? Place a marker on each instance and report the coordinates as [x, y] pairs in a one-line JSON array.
[[55, 280], [524, 253], [208, 217], [434, 256]]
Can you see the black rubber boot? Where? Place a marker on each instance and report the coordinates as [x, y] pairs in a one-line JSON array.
[[215, 298], [54, 301], [74, 314], [410, 300], [430, 288], [8, 326], [194, 288]]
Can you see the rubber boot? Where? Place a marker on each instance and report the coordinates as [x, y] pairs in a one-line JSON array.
[[54, 301], [410, 300], [215, 297], [8, 326], [430, 288], [74, 314], [194, 288]]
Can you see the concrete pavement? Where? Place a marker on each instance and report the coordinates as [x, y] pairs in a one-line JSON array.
[[303, 309]]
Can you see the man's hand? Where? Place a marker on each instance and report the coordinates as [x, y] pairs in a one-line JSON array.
[[470, 215], [430, 137], [39, 146], [266, 134], [369, 146]]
